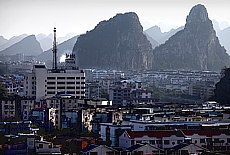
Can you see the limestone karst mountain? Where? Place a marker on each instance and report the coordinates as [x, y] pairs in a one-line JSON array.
[[118, 43], [160, 37], [153, 42], [196, 47], [12, 41], [62, 49], [224, 37], [3, 40], [28, 46]]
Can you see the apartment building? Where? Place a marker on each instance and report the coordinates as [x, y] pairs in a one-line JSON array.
[[43, 83], [203, 90], [129, 91], [8, 108]]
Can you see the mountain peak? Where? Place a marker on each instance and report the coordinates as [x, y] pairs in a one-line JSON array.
[[197, 14], [196, 47], [122, 45]]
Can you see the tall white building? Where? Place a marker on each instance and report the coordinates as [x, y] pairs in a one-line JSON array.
[[43, 83]]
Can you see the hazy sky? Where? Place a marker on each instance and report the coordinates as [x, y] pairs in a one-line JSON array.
[[78, 16]]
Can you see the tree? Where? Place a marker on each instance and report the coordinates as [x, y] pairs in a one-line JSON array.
[[3, 92]]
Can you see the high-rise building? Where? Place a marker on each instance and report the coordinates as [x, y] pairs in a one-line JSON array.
[[43, 83]]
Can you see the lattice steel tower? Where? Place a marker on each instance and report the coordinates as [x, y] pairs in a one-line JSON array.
[[54, 51]]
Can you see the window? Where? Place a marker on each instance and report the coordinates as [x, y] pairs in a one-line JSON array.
[[60, 87], [158, 141], [60, 82], [152, 142], [166, 142], [40, 146], [60, 77], [51, 78], [228, 140], [50, 82], [216, 140], [132, 142], [51, 92], [70, 77], [70, 87], [138, 141], [50, 87], [70, 82], [202, 140], [179, 141]]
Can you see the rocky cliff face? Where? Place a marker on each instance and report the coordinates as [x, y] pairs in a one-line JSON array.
[[118, 43], [196, 47]]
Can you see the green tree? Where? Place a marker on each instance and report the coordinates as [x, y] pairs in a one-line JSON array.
[[3, 92]]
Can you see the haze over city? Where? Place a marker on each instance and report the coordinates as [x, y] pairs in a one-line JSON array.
[[133, 77], [34, 17]]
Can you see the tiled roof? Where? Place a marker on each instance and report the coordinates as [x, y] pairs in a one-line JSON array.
[[91, 147], [208, 133], [179, 146], [134, 147], [137, 146], [157, 134]]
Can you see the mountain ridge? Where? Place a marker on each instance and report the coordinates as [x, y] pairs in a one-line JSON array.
[[28, 46]]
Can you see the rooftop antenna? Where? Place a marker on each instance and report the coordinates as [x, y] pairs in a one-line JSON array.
[[54, 51]]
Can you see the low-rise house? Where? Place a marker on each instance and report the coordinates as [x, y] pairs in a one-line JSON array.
[[99, 150], [210, 139], [112, 131], [42, 146], [161, 139], [144, 149], [185, 148], [75, 145], [45, 147]]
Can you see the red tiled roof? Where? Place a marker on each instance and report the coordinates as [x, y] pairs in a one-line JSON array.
[[157, 134], [208, 133]]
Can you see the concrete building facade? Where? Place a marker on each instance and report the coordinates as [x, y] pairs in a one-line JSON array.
[[42, 83]]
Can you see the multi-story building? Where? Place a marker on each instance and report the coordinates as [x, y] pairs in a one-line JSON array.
[[43, 83], [27, 105], [10, 108], [93, 90], [203, 90], [129, 91], [161, 139], [213, 140]]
